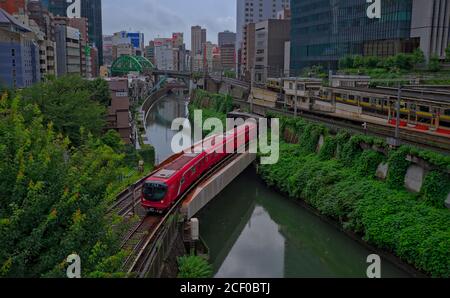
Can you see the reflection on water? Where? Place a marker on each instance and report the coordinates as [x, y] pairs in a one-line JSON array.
[[253, 232], [159, 122]]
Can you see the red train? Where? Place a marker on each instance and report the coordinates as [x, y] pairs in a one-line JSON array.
[[164, 188]]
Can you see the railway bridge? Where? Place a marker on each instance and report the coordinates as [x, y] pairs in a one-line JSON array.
[[155, 241]]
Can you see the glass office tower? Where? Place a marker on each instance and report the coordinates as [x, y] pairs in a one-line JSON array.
[[90, 9], [323, 31]]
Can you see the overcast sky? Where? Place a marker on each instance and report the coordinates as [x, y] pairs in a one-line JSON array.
[[159, 18]]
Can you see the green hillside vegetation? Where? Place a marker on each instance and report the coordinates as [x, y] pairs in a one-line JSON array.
[[59, 172], [339, 181]]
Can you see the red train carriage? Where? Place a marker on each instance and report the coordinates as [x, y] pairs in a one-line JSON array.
[[164, 188]]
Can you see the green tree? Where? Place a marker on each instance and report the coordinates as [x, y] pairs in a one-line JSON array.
[[99, 90], [434, 65], [52, 197], [404, 61], [371, 61], [346, 62], [358, 61], [229, 74], [418, 57], [67, 103]]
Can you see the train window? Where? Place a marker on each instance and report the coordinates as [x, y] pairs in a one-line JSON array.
[[366, 99], [194, 170], [447, 112], [182, 181], [424, 109]]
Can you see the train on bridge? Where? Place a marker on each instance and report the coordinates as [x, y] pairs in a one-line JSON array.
[[165, 187]]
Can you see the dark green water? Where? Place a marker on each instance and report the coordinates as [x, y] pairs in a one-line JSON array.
[[252, 231], [255, 232]]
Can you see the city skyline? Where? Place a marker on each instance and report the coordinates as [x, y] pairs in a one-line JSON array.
[[160, 19]]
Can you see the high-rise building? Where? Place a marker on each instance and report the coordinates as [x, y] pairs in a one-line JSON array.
[[80, 24], [248, 51], [271, 36], [68, 51], [164, 55], [198, 38], [19, 53], [217, 60], [107, 50], [228, 56], [324, 32], [149, 51], [13, 6], [134, 40], [254, 11], [45, 21], [226, 38], [207, 51], [177, 39], [91, 10]]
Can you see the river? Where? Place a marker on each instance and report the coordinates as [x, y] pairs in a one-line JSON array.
[[254, 232]]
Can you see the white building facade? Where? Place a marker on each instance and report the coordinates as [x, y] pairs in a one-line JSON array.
[[254, 11]]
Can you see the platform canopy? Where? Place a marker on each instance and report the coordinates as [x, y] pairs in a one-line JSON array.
[[126, 64]]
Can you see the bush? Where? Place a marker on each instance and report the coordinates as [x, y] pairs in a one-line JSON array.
[[194, 267], [434, 65], [339, 182]]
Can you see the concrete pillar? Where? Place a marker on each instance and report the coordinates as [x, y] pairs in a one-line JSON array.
[[195, 229], [320, 143], [382, 171], [414, 178]]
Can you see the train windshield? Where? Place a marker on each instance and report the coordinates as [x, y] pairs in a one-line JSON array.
[[154, 191]]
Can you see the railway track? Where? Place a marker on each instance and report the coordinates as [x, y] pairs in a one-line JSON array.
[[128, 199], [142, 239], [409, 137]]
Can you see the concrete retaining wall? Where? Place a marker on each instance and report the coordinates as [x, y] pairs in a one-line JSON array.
[[209, 189]]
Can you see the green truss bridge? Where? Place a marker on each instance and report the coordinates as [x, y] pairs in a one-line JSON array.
[[126, 64]]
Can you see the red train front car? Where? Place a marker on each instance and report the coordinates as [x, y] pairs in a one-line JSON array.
[[164, 188]]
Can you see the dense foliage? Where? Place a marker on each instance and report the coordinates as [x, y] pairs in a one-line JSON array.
[[400, 61], [339, 180], [434, 64], [70, 103], [58, 175], [194, 267], [398, 69], [212, 106]]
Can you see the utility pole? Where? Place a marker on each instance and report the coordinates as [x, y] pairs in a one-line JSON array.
[[252, 78], [296, 97], [281, 85], [397, 124]]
